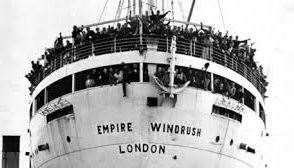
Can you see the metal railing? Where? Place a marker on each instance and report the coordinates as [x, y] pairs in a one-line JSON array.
[[161, 43]]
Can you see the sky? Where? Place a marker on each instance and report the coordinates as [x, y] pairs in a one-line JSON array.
[[28, 27]]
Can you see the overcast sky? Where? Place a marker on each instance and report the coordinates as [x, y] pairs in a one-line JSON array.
[[28, 27]]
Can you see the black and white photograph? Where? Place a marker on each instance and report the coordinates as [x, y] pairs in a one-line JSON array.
[[146, 83]]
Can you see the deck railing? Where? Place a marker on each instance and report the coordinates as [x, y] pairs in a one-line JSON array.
[[132, 42]]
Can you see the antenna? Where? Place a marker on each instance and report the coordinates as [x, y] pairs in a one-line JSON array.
[[191, 11], [163, 6]]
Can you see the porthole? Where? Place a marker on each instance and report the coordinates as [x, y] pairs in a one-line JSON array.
[[175, 157], [68, 139], [231, 142], [217, 139]]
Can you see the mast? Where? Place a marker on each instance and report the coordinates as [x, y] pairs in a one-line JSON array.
[[140, 7], [119, 9], [172, 9], [163, 6], [129, 8], [172, 64], [140, 23], [134, 7]]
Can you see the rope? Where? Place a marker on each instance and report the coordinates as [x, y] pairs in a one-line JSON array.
[[103, 10], [173, 12], [221, 12]]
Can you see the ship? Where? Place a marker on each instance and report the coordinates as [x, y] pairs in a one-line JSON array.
[[147, 91]]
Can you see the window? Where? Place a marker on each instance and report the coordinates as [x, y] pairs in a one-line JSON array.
[[262, 113], [198, 78], [227, 88], [108, 75], [59, 88], [80, 79], [40, 100], [227, 113], [148, 70], [59, 113], [249, 99]]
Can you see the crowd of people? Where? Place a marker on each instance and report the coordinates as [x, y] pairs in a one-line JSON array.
[[153, 24], [227, 88], [34, 75], [127, 73], [200, 79], [197, 78], [112, 75]]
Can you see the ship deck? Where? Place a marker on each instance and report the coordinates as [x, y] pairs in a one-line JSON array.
[[158, 43]]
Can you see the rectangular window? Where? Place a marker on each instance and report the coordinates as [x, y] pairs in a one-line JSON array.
[[227, 113], [227, 88], [40, 100], [249, 99], [59, 113], [198, 78], [148, 71], [80, 80], [108, 75], [59, 88]]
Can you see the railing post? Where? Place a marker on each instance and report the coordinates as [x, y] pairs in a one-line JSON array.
[[92, 49], [54, 65], [74, 53], [60, 61], [166, 44], [63, 62], [191, 45], [114, 44], [210, 51]]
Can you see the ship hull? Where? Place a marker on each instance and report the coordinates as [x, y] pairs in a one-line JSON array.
[[107, 130]]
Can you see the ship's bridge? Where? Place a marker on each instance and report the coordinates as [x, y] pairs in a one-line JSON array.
[[69, 68]]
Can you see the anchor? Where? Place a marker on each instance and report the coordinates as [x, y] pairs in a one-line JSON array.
[[172, 89]]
